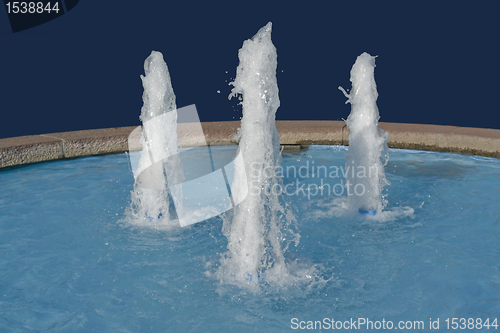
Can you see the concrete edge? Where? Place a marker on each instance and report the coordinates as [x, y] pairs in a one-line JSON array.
[[293, 135]]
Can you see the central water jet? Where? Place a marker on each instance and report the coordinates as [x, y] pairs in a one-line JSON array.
[[257, 232]]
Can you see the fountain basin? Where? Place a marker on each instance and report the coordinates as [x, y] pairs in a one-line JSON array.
[[70, 263]]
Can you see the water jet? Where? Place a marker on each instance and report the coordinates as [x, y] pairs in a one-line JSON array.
[[366, 145]]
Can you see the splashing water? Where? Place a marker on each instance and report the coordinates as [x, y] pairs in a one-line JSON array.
[[259, 230], [151, 200], [368, 152]]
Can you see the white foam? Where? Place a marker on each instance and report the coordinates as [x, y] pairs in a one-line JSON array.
[[325, 208]]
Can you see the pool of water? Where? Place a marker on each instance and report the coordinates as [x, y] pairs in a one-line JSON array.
[[70, 263]]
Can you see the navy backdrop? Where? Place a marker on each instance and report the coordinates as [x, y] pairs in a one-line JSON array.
[[437, 60]]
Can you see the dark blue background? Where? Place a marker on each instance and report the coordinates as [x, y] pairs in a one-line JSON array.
[[438, 61]]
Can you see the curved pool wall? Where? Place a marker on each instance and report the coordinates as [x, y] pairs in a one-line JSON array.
[[293, 135]]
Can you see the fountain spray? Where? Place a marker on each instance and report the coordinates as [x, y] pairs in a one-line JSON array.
[[368, 152], [259, 224], [151, 200]]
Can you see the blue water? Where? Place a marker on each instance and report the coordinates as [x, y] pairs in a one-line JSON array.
[[68, 262]]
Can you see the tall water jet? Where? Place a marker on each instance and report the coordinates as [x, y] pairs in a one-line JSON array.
[[151, 200], [367, 155], [258, 231]]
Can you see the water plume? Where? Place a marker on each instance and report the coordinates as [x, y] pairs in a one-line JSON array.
[[368, 152], [151, 200], [258, 229]]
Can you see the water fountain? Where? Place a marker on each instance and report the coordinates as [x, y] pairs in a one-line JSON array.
[[68, 264], [368, 152], [258, 230]]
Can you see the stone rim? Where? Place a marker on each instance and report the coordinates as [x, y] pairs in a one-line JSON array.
[[293, 134]]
